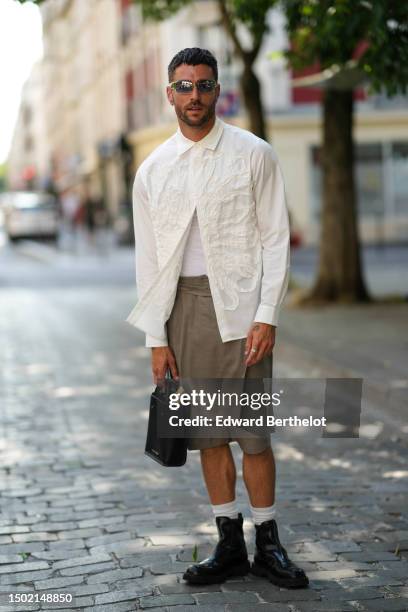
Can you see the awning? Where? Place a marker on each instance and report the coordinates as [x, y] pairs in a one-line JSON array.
[[344, 77]]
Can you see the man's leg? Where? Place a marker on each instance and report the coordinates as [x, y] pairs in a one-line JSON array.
[[270, 559], [230, 557], [259, 476], [219, 474]]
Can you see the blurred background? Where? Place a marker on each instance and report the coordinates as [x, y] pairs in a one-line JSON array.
[[93, 105]]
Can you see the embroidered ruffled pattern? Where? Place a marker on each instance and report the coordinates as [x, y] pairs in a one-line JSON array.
[[228, 221], [170, 206], [226, 213]]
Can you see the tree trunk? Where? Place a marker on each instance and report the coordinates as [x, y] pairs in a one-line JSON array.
[[251, 91], [339, 276]]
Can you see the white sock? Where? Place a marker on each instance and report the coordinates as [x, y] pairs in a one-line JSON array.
[[230, 509], [260, 515]]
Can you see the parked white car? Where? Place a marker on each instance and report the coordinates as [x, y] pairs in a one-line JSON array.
[[29, 214]]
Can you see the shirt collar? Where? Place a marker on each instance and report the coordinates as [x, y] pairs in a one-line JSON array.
[[209, 141]]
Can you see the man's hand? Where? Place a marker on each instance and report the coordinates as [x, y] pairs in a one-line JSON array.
[[259, 343], [162, 360]]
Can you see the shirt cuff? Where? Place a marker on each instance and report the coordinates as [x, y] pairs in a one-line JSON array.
[[151, 341], [267, 314]]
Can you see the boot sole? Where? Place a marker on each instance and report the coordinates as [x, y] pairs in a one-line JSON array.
[[237, 570], [300, 583]]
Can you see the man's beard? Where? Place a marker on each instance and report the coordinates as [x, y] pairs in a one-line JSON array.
[[207, 116]]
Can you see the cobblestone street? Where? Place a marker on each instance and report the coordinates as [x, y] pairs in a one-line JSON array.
[[84, 512]]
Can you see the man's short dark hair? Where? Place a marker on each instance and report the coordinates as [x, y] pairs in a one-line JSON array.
[[192, 57]]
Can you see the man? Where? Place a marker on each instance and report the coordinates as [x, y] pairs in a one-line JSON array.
[[212, 260]]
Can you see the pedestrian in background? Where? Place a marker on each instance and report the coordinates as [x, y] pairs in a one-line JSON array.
[[96, 221], [70, 203]]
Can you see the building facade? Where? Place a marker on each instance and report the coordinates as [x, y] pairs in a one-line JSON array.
[[83, 106], [28, 157]]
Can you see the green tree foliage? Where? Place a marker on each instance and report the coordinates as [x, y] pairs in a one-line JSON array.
[[250, 13], [161, 9], [3, 173], [329, 31]]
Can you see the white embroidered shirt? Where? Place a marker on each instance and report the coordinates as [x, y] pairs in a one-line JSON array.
[[232, 179]]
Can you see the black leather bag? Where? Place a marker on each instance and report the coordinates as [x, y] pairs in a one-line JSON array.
[[168, 451]]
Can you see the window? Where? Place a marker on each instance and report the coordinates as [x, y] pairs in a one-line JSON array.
[[399, 173], [369, 179], [381, 174], [28, 143]]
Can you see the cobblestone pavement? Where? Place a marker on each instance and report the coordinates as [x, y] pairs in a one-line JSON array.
[[84, 512]]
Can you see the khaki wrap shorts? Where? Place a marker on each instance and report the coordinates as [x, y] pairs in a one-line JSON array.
[[194, 337]]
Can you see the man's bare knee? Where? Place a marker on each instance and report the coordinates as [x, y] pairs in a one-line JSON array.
[[217, 452], [265, 454]]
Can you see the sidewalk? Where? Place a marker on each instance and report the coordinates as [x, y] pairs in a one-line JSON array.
[[97, 519], [362, 341], [384, 268]]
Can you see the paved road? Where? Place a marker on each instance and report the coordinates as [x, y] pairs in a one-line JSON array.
[[83, 511]]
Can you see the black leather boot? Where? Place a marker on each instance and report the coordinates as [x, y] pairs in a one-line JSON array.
[[271, 559], [230, 557]]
